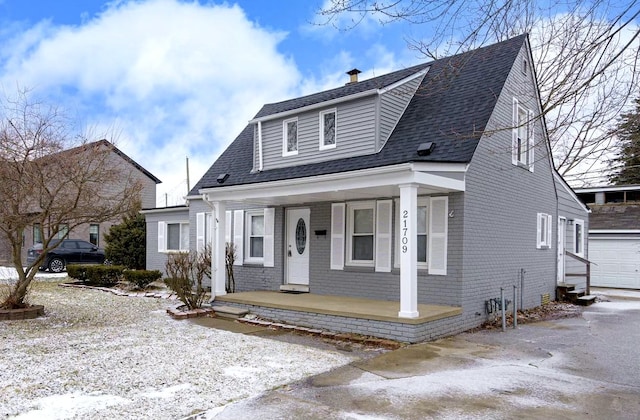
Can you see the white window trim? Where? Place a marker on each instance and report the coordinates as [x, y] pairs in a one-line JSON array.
[[165, 236], [576, 223], [544, 231], [285, 142], [247, 237], [359, 205], [422, 202], [322, 145], [516, 158]]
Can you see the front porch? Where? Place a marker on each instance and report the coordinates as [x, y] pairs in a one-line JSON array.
[[376, 318]]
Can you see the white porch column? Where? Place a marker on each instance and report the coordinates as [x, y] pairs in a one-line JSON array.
[[218, 272], [408, 251]]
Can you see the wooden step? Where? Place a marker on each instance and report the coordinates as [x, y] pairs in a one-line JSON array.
[[229, 312], [586, 300], [573, 295]]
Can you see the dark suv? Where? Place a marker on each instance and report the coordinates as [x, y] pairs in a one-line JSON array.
[[70, 251]]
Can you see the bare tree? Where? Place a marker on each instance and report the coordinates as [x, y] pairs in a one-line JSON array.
[[48, 182], [586, 56]]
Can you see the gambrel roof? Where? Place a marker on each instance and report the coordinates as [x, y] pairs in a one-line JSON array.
[[450, 108]]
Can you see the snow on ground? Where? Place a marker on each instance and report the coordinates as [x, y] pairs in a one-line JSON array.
[[8, 274], [97, 355]]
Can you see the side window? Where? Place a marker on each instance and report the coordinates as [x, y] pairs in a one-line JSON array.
[[37, 233], [361, 233], [255, 236], [544, 231], [63, 228], [522, 141], [328, 129], [578, 237], [290, 137], [94, 230], [177, 237]]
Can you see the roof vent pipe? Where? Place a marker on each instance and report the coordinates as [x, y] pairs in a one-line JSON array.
[[353, 76]]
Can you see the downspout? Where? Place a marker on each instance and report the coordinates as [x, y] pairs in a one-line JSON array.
[[259, 146]]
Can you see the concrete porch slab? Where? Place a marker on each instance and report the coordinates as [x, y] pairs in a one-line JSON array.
[[378, 310]]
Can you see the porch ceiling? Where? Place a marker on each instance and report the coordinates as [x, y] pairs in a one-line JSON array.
[[379, 310], [358, 185]]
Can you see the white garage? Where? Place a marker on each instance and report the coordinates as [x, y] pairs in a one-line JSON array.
[[616, 261]]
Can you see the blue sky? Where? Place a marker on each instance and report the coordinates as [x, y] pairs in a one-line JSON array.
[[170, 79]]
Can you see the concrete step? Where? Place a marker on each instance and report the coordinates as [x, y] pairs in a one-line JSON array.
[[586, 300], [230, 312], [574, 295]]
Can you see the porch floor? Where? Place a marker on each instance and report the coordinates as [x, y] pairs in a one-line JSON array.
[[379, 310]]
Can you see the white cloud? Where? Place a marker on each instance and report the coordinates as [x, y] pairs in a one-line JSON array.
[[175, 79]]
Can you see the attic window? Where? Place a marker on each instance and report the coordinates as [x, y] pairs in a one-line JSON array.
[[290, 137], [328, 129], [524, 66]]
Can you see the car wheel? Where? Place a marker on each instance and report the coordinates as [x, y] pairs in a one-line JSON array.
[[56, 265]]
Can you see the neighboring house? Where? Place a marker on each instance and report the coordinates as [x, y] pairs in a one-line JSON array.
[[419, 193], [614, 235], [94, 232]]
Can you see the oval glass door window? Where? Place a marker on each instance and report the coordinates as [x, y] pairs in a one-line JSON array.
[[301, 236]]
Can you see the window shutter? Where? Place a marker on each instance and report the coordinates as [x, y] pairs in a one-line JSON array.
[[549, 231], [269, 220], [383, 236], [514, 133], [532, 142], [227, 227], [539, 231], [438, 226], [238, 236], [199, 232], [162, 243], [337, 236]]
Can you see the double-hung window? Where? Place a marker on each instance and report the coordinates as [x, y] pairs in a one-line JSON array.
[[94, 233], [37, 233], [63, 229], [290, 137], [422, 231], [361, 233], [255, 236], [177, 236], [328, 129], [544, 231], [522, 136]]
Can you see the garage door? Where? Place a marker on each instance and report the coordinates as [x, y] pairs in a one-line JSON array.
[[617, 262]]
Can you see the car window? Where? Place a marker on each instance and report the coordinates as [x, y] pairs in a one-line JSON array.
[[70, 245], [85, 244]]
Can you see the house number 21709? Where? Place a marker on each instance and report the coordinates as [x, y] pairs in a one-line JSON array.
[[405, 237]]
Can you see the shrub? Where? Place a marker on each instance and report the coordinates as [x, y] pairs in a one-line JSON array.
[[77, 271], [104, 275], [185, 272], [126, 242], [142, 278]]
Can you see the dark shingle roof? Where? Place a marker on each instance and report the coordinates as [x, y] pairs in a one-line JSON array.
[[450, 108], [614, 216]]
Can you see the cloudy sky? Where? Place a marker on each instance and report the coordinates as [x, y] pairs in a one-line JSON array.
[[172, 79]]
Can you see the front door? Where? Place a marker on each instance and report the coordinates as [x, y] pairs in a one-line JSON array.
[[562, 234], [297, 246]]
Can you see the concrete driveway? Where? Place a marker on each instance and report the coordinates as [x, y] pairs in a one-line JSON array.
[[584, 367]]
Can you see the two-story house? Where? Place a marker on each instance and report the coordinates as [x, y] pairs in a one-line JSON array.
[[93, 232], [397, 206]]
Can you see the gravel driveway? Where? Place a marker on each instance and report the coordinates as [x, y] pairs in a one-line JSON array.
[[97, 355]]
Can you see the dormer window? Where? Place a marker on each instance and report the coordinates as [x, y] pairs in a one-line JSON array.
[[328, 129], [290, 137]]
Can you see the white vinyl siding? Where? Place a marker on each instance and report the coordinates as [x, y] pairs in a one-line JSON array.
[[328, 129], [523, 142], [544, 231], [392, 105]]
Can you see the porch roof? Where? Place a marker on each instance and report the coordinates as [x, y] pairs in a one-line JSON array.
[[431, 178], [379, 310]]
